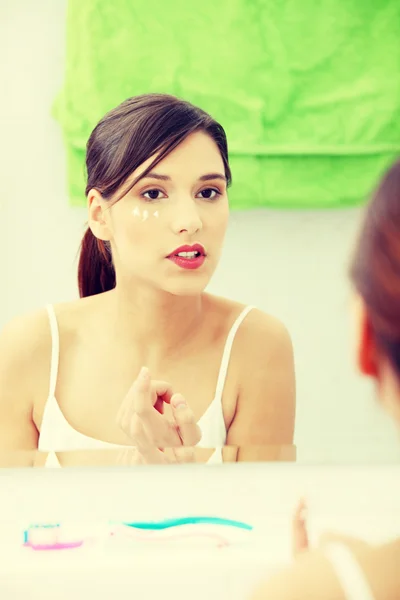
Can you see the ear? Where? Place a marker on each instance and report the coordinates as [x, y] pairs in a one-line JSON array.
[[366, 351], [98, 216]]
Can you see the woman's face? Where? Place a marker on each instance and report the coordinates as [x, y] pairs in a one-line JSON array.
[[181, 206]]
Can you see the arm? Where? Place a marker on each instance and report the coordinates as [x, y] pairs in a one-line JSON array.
[[18, 348], [263, 425]]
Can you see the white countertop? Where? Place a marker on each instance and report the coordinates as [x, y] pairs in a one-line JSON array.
[[361, 501]]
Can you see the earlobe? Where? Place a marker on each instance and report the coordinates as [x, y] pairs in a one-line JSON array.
[[97, 221]]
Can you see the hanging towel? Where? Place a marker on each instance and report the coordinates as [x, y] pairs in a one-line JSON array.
[[308, 92]]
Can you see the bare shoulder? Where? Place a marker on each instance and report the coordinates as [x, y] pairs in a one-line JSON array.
[[265, 334], [73, 316], [313, 576], [257, 327], [23, 340], [27, 338], [25, 350], [260, 340], [263, 362]]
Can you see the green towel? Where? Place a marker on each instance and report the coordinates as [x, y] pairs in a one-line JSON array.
[[308, 92]]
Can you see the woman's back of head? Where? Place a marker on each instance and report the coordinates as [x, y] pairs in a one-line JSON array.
[[375, 269], [375, 272]]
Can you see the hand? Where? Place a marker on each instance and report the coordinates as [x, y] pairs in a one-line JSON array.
[[142, 419], [300, 540], [131, 456]]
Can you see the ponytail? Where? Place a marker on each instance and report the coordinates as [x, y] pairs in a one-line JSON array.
[[95, 270]]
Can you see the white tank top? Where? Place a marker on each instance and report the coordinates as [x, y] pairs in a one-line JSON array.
[[57, 435], [349, 573]]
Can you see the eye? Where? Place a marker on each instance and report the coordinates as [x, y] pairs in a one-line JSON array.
[[210, 194], [153, 194]]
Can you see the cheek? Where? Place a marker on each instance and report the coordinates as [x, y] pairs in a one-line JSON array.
[[143, 214], [134, 230], [138, 225], [218, 222]]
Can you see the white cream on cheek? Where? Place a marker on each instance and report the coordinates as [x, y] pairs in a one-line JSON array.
[[143, 215], [136, 212]]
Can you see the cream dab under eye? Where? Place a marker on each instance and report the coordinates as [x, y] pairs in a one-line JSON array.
[[143, 215]]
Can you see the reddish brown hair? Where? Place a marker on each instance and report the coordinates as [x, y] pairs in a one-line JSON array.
[[375, 270], [127, 136]]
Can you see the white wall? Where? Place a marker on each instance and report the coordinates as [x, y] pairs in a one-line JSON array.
[[302, 256]]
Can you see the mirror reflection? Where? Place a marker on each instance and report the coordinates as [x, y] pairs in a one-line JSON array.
[[201, 333]]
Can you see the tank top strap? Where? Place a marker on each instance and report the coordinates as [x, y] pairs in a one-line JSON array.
[[227, 353], [55, 349], [349, 572]]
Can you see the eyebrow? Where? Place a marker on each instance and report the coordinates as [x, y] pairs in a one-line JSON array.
[[207, 177]]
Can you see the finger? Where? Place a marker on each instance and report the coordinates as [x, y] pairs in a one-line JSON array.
[[161, 432], [139, 405], [135, 430], [145, 393], [138, 435], [153, 456], [128, 422], [141, 393], [129, 456], [161, 393], [161, 390], [136, 393], [300, 541], [184, 454], [144, 425], [158, 430], [188, 429]]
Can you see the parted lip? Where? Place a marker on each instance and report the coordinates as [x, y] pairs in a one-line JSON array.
[[186, 248]]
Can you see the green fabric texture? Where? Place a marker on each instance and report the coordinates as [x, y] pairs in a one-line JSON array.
[[308, 92]]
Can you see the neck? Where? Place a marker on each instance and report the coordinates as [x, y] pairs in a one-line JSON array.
[[154, 319]]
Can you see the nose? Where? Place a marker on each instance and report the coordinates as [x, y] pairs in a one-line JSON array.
[[187, 218]]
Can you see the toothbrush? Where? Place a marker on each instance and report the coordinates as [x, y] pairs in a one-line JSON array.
[[47, 537], [179, 521], [210, 528]]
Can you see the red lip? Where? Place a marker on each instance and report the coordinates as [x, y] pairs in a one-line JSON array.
[[188, 263], [195, 248]]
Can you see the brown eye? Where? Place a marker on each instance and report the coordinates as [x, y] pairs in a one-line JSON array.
[[153, 194], [210, 194]]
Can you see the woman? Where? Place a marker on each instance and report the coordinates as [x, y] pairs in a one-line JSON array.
[[99, 372], [344, 568]]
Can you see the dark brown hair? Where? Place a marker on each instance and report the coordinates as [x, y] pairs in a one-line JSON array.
[[375, 269], [127, 136]]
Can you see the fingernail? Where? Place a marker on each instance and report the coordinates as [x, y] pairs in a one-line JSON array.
[[179, 402], [144, 374]]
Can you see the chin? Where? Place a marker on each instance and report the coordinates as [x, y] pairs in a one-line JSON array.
[[187, 288], [187, 291]]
